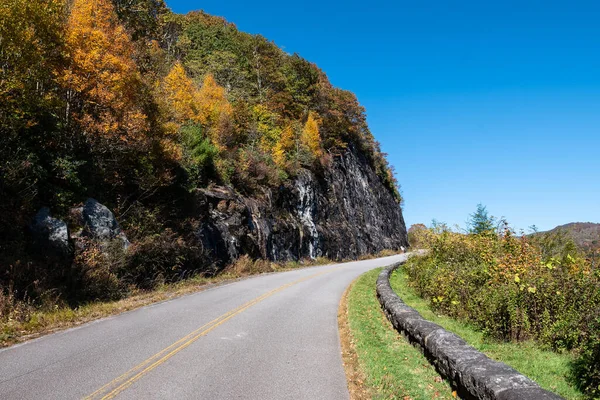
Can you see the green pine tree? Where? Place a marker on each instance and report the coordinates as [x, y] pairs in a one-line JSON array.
[[480, 222]]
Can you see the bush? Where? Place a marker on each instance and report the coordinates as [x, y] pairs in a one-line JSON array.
[[161, 258], [256, 169], [13, 309], [416, 234], [200, 153], [246, 266], [505, 286], [587, 367], [95, 271]]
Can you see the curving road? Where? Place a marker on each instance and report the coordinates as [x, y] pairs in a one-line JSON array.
[[268, 337]]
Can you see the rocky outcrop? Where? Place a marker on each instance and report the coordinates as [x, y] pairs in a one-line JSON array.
[[472, 373], [342, 214], [100, 223], [345, 213], [51, 235], [357, 213]]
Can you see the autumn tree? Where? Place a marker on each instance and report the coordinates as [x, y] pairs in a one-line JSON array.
[[266, 131], [31, 48], [181, 96], [101, 79], [212, 101], [31, 40], [311, 138], [284, 146], [215, 111]]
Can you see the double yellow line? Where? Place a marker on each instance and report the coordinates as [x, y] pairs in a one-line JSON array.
[[117, 385]]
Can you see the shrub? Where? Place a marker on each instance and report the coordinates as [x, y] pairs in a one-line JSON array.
[[256, 169], [95, 271], [13, 309], [504, 285], [160, 258], [415, 235], [587, 367]]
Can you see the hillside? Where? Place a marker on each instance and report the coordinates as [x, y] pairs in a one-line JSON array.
[[586, 235], [142, 146]]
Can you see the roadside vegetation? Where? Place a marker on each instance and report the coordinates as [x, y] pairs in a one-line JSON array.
[[524, 293], [549, 369], [388, 366]]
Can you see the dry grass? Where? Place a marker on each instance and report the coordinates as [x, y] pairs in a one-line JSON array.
[[354, 375], [23, 321], [380, 254]]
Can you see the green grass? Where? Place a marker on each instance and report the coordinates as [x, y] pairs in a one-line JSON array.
[[549, 369], [392, 367]]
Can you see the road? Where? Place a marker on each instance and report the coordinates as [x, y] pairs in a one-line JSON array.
[[273, 336]]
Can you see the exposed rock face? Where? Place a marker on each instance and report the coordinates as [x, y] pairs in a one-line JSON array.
[[358, 214], [346, 213], [100, 223], [51, 235]]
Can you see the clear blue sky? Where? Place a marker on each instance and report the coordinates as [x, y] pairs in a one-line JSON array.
[[495, 102]]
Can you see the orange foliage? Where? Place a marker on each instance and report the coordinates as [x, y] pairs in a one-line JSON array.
[[102, 79], [207, 106], [212, 101]]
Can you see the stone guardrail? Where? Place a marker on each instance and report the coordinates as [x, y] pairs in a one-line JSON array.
[[470, 372]]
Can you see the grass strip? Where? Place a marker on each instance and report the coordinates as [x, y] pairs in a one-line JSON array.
[[550, 370], [393, 369]]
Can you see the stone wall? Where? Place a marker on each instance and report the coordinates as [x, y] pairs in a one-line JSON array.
[[472, 373]]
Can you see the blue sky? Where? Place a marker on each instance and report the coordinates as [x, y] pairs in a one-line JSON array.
[[475, 101]]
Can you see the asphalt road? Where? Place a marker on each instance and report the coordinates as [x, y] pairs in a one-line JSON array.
[[268, 337]]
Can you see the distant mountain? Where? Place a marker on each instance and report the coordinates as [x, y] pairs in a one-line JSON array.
[[586, 235]]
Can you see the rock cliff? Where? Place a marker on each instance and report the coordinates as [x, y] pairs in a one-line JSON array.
[[345, 213]]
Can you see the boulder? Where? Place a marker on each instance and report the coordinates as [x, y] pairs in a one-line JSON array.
[[51, 235], [100, 223]]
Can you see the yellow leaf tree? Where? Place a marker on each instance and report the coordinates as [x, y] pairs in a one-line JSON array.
[[181, 95], [102, 80], [311, 138], [284, 146], [215, 111]]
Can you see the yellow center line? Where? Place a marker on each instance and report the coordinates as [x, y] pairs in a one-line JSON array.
[[165, 350], [128, 378], [144, 363]]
